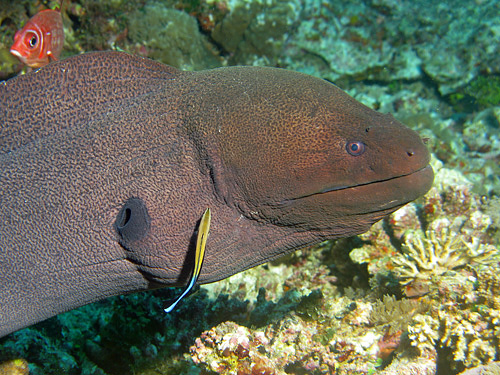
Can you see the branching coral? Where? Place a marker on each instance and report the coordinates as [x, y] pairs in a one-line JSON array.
[[424, 333], [417, 247], [466, 323], [472, 336], [433, 254]]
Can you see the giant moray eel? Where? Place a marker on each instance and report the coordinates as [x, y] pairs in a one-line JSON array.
[[109, 160]]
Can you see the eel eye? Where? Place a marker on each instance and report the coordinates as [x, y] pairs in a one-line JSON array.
[[132, 222], [355, 148]]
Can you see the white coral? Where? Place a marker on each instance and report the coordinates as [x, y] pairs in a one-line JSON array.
[[433, 254]]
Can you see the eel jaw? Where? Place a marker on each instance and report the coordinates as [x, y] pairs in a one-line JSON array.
[[327, 190], [402, 189], [354, 208]]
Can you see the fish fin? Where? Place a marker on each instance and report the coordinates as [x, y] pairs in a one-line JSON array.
[[201, 242]]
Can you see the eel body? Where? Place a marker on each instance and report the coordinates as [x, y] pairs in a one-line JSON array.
[[107, 162]]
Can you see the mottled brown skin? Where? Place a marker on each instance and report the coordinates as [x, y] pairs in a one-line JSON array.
[[108, 162]]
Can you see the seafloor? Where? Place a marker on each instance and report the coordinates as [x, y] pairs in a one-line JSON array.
[[418, 294]]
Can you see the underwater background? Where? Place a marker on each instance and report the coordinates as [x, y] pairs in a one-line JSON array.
[[419, 293]]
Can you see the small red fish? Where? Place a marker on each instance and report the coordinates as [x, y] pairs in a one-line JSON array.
[[41, 40]]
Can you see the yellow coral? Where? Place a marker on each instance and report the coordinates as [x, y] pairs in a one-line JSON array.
[[424, 332], [470, 335], [432, 254], [14, 367], [469, 328]]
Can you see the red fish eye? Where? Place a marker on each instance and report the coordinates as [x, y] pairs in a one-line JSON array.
[[355, 148], [32, 41]]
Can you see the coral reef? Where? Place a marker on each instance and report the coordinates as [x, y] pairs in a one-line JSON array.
[[447, 230], [445, 250], [292, 345], [378, 40], [229, 348], [14, 367], [420, 287], [493, 368], [467, 322]]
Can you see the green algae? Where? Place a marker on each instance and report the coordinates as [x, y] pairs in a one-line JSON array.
[[482, 92], [255, 32], [171, 36], [485, 90]]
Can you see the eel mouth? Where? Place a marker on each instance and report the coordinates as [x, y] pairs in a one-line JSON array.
[[385, 195], [422, 171], [388, 194]]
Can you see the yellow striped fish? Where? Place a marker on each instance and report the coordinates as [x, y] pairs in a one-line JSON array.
[[201, 241]]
